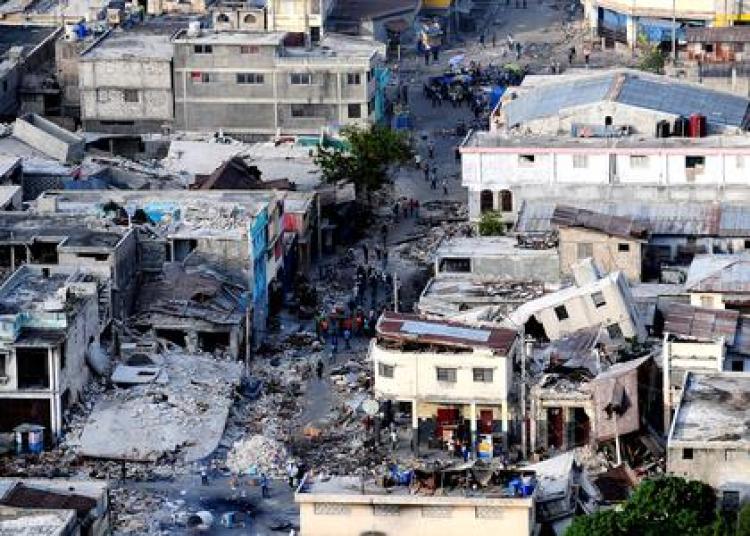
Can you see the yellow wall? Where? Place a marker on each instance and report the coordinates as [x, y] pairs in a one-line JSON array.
[[346, 519], [436, 4]]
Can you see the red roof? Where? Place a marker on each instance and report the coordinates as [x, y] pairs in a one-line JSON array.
[[409, 327]]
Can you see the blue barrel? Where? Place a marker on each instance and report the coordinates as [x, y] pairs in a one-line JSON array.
[[36, 441]]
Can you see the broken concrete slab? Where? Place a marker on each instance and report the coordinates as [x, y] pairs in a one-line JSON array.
[[185, 415]]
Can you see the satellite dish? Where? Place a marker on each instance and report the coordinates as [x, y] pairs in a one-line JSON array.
[[371, 407]]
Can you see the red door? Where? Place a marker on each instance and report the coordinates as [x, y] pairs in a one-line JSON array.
[[445, 416], [485, 421]]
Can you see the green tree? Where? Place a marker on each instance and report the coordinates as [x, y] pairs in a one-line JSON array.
[[743, 521], [667, 506], [366, 159], [652, 61], [491, 224]]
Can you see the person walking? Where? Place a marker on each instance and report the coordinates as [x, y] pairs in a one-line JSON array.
[[431, 150], [319, 366], [445, 187], [291, 467], [394, 439], [347, 339], [204, 477], [481, 40], [426, 170], [264, 486]]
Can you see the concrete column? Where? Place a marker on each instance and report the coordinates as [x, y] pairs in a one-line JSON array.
[[632, 31], [414, 428], [12, 258], [532, 426], [473, 425], [504, 422]]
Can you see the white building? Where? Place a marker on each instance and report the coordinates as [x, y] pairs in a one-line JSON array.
[[709, 439], [456, 378], [587, 138]]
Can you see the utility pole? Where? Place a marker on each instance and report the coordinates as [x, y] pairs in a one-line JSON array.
[[674, 32], [395, 292], [526, 352]]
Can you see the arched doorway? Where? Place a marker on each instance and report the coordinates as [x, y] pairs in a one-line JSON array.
[[486, 201], [506, 201]]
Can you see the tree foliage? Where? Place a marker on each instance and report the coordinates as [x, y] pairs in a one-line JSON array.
[[652, 61], [371, 151], [491, 224], [743, 521], [667, 506]]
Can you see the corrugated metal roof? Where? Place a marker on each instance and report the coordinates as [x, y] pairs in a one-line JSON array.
[[694, 219], [729, 34], [719, 273], [665, 95], [622, 226], [549, 99], [407, 327], [689, 321]]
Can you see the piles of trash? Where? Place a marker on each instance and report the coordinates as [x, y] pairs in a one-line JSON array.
[[258, 454]]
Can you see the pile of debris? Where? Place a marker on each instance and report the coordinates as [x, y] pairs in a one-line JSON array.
[[421, 248], [258, 455]]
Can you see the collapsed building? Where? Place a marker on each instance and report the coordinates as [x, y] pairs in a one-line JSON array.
[[50, 330], [593, 300], [197, 311], [182, 399], [454, 379]]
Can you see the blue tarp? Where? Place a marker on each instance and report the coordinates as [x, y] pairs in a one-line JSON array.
[[382, 77], [613, 20], [659, 30], [495, 94]]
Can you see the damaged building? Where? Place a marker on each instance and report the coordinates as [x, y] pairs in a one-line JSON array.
[[50, 329], [456, 379], [197, 311], [614, 243], [720, 282], [593, 300]]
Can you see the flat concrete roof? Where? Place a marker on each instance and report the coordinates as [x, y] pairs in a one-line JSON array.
[[713, 411], [210, 37], [22, 36], [487, 246], [131, 45]]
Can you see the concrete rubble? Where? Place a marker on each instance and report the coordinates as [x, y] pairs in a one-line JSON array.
[[258, 455], [186, 414]]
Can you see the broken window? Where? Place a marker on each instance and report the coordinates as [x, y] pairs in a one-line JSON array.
[[304, 110], [639, 161], [526, 160], [687, 454], [561, 312], [386, 371], [62, 356], [130, 95], [353, 79], [203, 49], [300, 79], [598, 299], [249, 49], [614, 331], [455, 265], [354, 111], [585, 250], [483, 375], [446, 375], [737, 366], [33, 368], [3, 366], [623, 247]]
